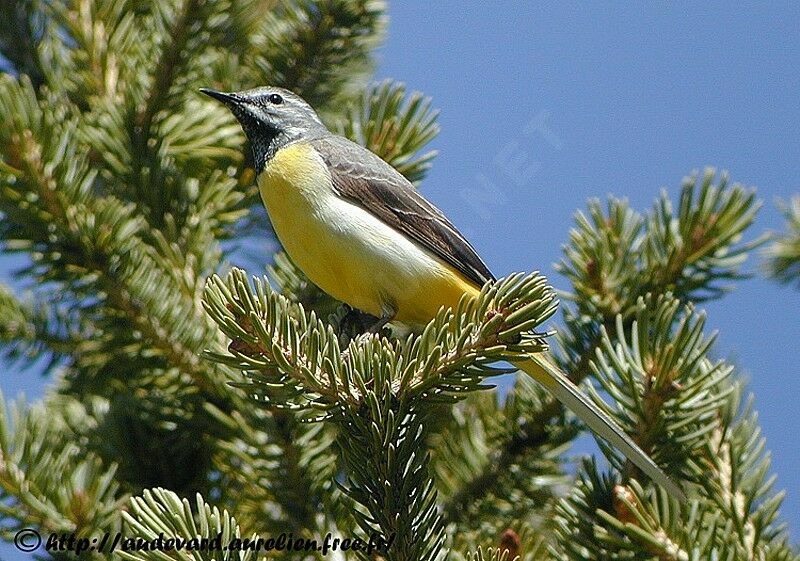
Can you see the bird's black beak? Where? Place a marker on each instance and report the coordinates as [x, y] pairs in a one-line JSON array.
[[226, 98]]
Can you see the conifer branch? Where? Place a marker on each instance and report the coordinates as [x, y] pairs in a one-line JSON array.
[[47, 481], [296, 362], [613, 259], [783, 253], [684, 409], [97, 244], [16, 324], [161, 514], [667, 392], [165, 71], [741, 486], [374, 391], [29, 331], [277, 472]]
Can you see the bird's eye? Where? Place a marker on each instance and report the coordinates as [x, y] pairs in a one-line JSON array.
[[275, 99]]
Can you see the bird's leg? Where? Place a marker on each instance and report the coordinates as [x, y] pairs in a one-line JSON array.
[[387, 315]]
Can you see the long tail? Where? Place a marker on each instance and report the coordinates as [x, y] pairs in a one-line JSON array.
[[541, 369]]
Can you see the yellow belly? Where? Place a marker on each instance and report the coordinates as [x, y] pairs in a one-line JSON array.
[[348, 252]]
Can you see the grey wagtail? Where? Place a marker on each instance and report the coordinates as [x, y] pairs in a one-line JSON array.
[[362, 233]]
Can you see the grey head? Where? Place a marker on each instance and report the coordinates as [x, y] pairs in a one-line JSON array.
[[271, 118]]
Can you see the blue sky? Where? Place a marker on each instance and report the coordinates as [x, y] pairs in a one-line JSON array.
[[543, 107]]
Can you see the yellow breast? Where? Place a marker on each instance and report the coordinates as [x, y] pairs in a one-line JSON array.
[[347, 251]]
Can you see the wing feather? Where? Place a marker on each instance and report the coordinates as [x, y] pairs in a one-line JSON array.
[[366, 180]]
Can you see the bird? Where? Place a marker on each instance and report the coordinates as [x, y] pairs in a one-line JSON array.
[[362, 233]]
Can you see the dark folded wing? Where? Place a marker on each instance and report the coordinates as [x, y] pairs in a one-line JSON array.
[[367, 181]]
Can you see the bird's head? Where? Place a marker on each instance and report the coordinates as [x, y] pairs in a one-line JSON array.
[[271, 118]]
